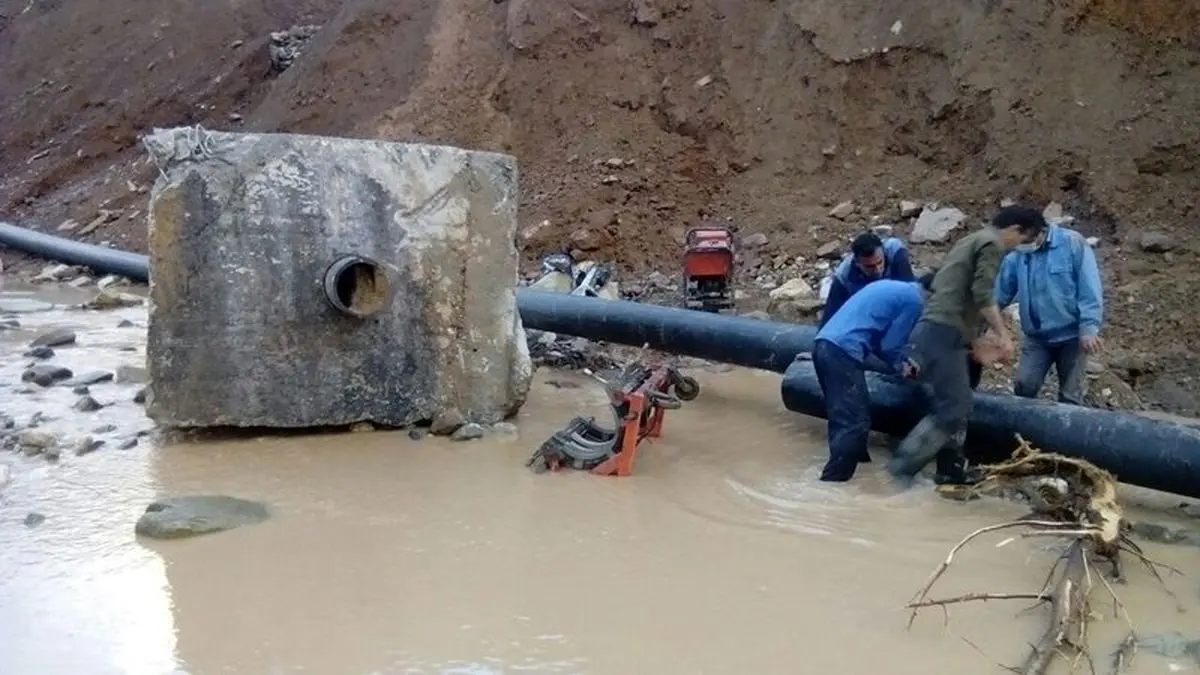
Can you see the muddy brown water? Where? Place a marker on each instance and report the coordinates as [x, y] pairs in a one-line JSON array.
[[723, 554]]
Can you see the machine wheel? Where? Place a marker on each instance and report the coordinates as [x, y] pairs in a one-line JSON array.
[[687, 388]]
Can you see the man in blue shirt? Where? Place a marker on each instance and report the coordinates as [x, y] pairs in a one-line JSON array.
[[1056, 282], [870, 259], [870, 332]]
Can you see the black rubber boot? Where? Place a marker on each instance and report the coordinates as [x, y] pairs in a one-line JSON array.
[[952, 469], [918, 449]]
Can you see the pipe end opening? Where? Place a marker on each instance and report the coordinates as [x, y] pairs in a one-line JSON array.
[[358, 287]]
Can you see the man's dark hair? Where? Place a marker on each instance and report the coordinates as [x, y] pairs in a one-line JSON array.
[[926, 280], [1028, 221], [866, 244]]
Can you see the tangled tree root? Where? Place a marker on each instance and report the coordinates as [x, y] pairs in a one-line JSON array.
[[1074, 500]]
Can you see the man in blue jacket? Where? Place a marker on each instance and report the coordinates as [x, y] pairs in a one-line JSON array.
[[1056, 282], [870, 332], [870, 259]]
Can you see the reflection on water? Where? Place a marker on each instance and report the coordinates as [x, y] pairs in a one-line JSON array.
[[723, 554]]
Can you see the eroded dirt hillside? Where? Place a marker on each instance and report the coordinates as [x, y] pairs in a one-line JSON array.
[[631, 119]]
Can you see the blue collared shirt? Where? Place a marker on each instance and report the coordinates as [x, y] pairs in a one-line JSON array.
[[877, 321], [1057, 286], [848, 279]]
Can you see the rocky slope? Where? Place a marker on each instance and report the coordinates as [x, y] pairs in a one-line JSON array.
[[634, 118]]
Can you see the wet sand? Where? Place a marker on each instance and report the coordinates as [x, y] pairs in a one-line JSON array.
[[723, 554]]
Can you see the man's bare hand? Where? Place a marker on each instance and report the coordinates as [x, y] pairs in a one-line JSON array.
[[1090, 344], [1007, 349], [991, 349], [911, 370]]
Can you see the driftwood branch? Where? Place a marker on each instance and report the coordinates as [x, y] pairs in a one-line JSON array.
[[1073, 500]]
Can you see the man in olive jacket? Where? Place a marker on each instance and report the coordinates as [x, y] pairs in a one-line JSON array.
[[962, 304]]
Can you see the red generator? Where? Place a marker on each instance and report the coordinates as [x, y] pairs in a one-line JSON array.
[[708, 269]]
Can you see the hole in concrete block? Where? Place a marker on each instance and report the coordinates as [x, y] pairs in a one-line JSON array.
[[357, 286]]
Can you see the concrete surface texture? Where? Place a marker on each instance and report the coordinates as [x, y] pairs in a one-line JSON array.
[[246, 329]]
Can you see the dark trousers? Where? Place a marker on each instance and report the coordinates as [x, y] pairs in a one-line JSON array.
[[848, 410], [944, 358], [1070, 364]]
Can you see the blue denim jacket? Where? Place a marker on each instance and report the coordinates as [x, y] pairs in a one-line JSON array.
[[1057, 286], [848, 279], [876, 322]]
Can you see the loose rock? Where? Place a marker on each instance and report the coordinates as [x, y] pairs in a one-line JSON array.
[[286, 46], [936, 225], [107, 299], [830, 251], [91, 377], [842, 211], [134, 374], [468, 432], [87, 404], [81, 390], [87, 445], [140, 396], [45, 374], [755, 240], [127, 444], [1156, 242], [179, 517], [40, 352], [361, 427], [505, 429], [111, 280], [417, 434], [33, 519], [908, 209], [447, 422], [645, 13], [56, 273], [792, 290], [54, 338], [794, 301], [40, 440]]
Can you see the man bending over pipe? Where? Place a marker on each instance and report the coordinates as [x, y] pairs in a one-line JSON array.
[[873, 326], [963, 300], [870, 259], [1057, 284]]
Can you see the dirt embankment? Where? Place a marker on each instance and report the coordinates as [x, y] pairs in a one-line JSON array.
[[633, 118]]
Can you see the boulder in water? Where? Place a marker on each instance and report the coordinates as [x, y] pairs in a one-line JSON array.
[[181, 517]]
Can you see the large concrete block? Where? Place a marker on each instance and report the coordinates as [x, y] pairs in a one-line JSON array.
[[305, 281]]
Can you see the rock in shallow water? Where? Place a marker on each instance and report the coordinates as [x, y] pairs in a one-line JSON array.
[[91, 377], [54, 338], [45, 374], [468, 432], [180, 517]]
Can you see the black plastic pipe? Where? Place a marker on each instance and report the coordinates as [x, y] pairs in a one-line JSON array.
[[1151, 453], [1155, 454], [741, 341], [104, 260]]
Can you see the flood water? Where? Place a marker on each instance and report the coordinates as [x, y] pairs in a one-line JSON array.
[[722, 554]]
